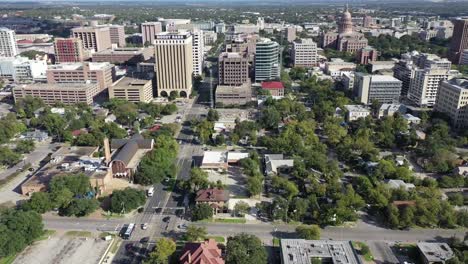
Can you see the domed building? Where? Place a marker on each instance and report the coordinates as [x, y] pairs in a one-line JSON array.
[[345, 39]]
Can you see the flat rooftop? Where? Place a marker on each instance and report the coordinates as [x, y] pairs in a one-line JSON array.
[[123, 51], [436, 252], [130, 81], [356, 108], [93, 66], [58, 86], [213, 157], [301, 251], [384, 78]]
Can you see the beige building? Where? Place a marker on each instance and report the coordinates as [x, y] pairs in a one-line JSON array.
[[132, 90], [102, 73], [51, 93], [93, 38], [304, 53], [174, 63], [233, 68], [290, 33], [117, 35], [452, 99], [233, 95], [149, 30], [424, 85]]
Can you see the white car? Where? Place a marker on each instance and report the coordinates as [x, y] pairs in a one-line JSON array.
[[144, 226]]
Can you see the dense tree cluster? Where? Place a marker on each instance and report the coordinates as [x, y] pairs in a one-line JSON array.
[[19, 229], [70, 194], [245, 248], [158, 164], [126, 200]]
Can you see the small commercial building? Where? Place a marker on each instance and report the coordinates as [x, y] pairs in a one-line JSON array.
[[132, 89], [303, 251], [276, 163], [354, 112], [214, 160], [435, 253], [275, 88], [227, 95], [391, 109]]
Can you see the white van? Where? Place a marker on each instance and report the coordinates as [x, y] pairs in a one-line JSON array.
[[150, 192]]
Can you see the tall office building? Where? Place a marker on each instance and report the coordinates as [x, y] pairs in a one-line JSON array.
[[93, 38], [403, 71], [424, 85], [383, 88], [267, 65], [8, 47], [290, 33], [452, 99], [459, 40], [304, 53], [174, 63], [149, 30], [366, 55], [367, 21], [233, 68], [117, 35], [197, 51], [68, 50]]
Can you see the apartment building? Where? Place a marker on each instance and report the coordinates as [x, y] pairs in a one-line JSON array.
[[8, 47], [132, 89], [383, 88], [304, 53], [424, 85], [102, 73], [68, 50], [174, 63], [233, 68], [51, 93], [452, 100], [267, 65], [149, 30], [93, 38]]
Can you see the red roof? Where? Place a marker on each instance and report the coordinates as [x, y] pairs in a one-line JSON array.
[[202, 253], [272, 85], [212, 195], [78, 132], [154, 128]]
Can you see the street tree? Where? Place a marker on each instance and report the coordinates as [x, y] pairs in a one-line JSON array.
[[309, 232], [163, 250], [245, 248], [195, 233]]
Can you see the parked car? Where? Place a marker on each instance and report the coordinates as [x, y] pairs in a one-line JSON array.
[[144, 226]]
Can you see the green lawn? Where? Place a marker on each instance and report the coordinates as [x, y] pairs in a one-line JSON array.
[[8, 260], [231, 220], [276, 242], [218, 239], [366, 253]]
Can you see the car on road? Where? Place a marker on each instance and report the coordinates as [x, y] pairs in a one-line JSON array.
[[31, 169], [158, 210], [166, 219], [182, 226], [144, 226]]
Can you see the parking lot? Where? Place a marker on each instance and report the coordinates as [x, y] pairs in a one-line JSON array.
[[64, 248], [234, 180]]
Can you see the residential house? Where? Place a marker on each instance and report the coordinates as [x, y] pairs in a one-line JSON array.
[[216, 198], [275, 164], [206, 252]]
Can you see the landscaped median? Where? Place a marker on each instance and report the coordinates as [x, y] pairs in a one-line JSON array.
[[363, 250]]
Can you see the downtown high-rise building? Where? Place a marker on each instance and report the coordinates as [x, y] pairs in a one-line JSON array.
[[233, 68], [304, 53], [452, 100], [68, 50], [174, 63], [149, 30], [267, 64], [8, 47], [459, 40], [197, 51], [117, 35]]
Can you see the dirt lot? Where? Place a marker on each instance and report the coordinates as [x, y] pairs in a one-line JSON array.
[[64, 248]]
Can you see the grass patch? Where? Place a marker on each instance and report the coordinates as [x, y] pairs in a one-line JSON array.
[[79, 233], [115, 245], [46, 235], [219, 239], [363, 250], [231, 220], [104, 234], [8, 259], [276, 242]]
